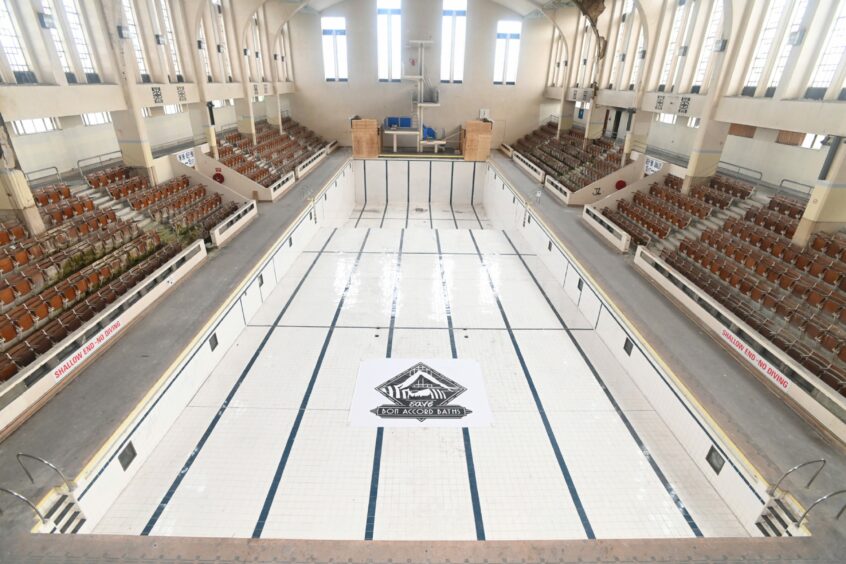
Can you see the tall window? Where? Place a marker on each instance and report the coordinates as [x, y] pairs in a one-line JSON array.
[[670, 52], [204, 52], [832, 54], [80, 41], [222, 50], [453, 37], [389, 39], [626, 17], [257, 47], [56, 36], [711, 35], [11, 44], [334, 49], [171, 40], [765, 45], [585, 57], [640, 57], [132, 31], [790, 39], [507, 52]]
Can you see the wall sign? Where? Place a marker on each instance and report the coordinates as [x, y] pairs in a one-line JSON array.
[[394, 392], [652, 165], [752, 357]]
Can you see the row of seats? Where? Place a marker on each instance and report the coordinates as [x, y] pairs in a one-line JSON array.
[[60, 325], [127, 187], [195, 213], [56, 214], [639, 235], [788, 206], [51, 194], [166, 209], [655, 225], [150, 196], [667, 211], [773, 220], [691, 205], [12, 230], [104, 177], [831, 244]]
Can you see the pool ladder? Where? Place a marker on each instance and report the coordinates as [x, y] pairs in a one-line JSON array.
[[778, 518], [64, 515]]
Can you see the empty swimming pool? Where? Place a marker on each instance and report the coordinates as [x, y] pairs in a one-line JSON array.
[[410, 363]]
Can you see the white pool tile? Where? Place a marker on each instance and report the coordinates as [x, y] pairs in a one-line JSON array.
[[423, 489]]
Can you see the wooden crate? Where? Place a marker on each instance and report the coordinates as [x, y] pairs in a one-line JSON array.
[[476, 140], [366, 138]]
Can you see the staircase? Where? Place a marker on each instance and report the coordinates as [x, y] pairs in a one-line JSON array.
[[103, 201], [64, 517], [778, 519]]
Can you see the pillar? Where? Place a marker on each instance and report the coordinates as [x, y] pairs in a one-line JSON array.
[[826, 209], [706, 153], [274, 109], [638, 133], [565, 115], [244, 114], [17, 196], [202, 125], [131, 133], [595, 122]]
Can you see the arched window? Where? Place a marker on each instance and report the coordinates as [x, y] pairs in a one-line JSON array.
[[831, 59], [712, 34]]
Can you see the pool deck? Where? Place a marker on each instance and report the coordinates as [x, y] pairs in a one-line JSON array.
[[769, 433]]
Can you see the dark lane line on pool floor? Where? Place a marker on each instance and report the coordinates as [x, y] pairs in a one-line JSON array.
[[289, 445], [216, 419]]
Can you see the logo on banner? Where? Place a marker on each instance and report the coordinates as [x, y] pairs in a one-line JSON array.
[[421, 393]]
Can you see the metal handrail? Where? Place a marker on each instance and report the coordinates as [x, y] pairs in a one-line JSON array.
[[783, 185], [773, 490], [26, 501], [820, 500], [97, 160], [70, 484], [29, 175]]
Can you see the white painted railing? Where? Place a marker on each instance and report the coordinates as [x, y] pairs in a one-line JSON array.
[[230, 226], [507, 149], [281, 186], [559, 190], [530, 168], [307, 165], [607, 229]]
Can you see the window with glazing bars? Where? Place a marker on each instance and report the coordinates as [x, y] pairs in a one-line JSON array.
[[334, 35], [790, 40], [132, 32], [766, 40], [222, 49], [389, 40], [80, 39], [453, 37], [507, 52], [171, 40], [10, 41], [831, 57], [712, 33], [670, 51]]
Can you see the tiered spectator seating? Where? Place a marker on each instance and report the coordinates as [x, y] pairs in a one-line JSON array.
[[53, 283], [794, 297], [572, 160], [273, 156]]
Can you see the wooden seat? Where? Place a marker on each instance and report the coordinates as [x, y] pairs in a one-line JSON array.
[[7, 369], [21, 355]]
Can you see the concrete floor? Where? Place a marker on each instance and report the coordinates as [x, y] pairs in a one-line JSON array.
[[769, 432]]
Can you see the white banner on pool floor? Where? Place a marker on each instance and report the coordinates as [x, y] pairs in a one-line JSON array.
[[401, 392]]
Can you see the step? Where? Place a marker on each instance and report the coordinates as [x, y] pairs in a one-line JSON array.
[[775, 530], [56, 506], [79, 525], [64, 512], [763, 529], [786, 510], [70, 521]]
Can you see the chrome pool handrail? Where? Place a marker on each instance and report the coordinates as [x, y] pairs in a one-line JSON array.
[[774, 489]]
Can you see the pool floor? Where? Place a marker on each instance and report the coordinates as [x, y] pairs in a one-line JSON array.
[[266, 449]]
